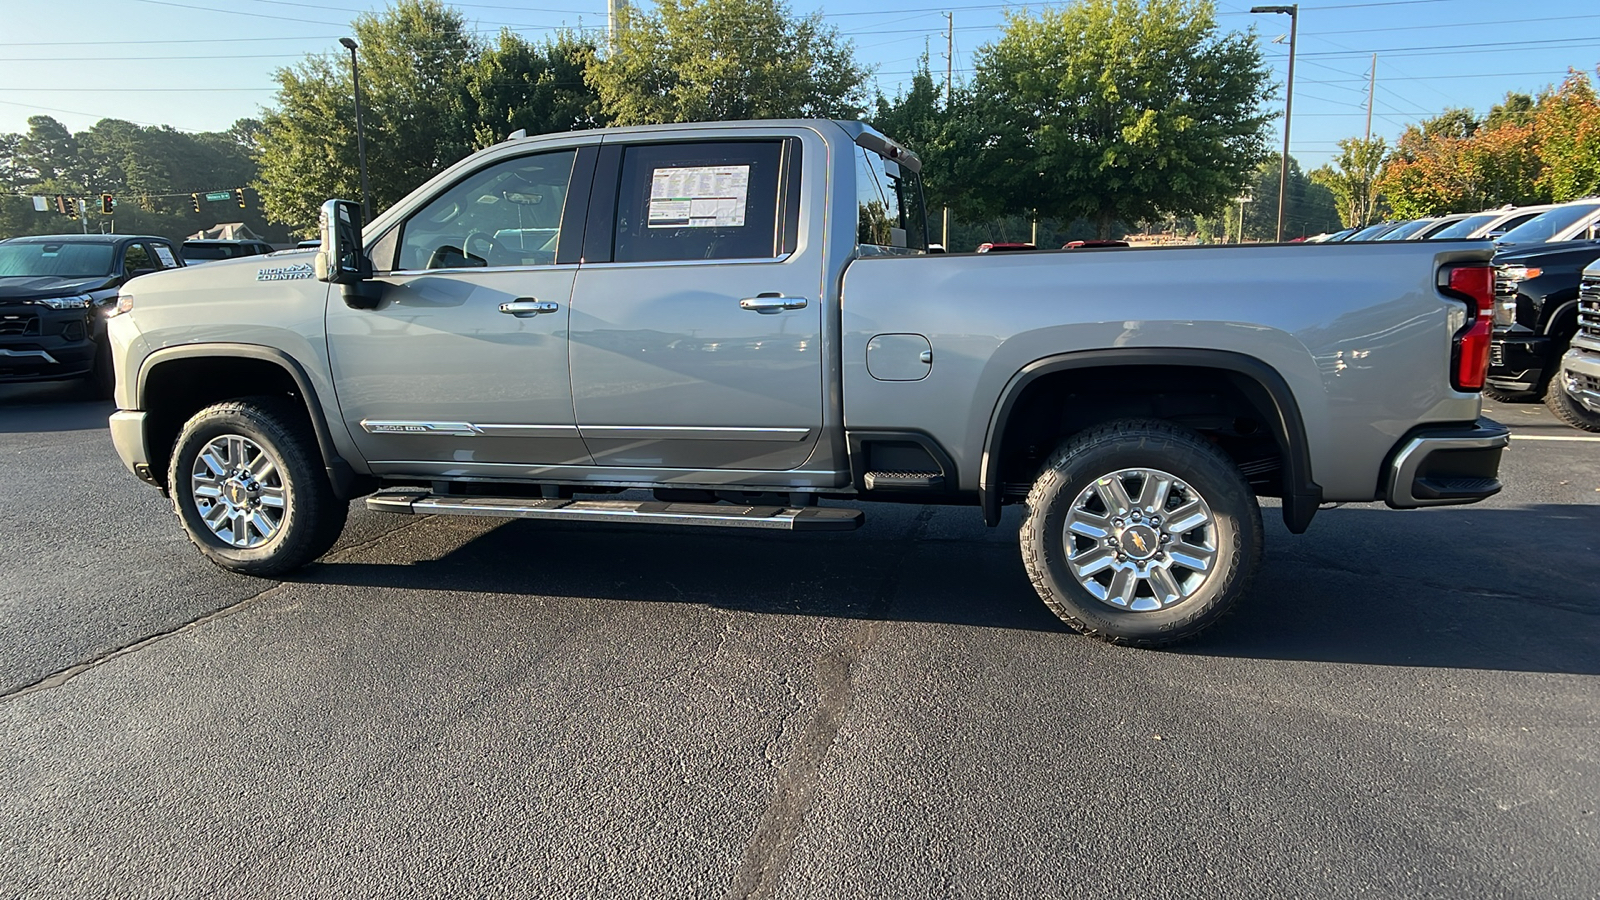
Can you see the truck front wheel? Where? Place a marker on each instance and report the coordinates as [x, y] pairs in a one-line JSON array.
[[1567, 407], [1140, 532], [249, 487]]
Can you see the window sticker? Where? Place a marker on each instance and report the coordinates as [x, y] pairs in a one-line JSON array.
[[165, 253], [699, 197]]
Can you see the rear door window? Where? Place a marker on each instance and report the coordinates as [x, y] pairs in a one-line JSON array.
[[692, 201]]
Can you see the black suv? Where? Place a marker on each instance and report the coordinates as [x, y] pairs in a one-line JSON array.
[[54, 292], [200, 251]]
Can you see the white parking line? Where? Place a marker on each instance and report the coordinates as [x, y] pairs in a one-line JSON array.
[[1554, 437]]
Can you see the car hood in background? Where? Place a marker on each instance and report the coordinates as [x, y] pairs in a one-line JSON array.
[[31, 287], [1519, 254]]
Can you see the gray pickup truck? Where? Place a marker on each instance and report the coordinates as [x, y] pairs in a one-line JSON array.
[[743, 319]]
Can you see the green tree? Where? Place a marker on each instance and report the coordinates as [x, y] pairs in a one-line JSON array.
[[1353, 179], [704, 60], [539, 88], [1118, 110], [150, 170], [416, 58], [1516, 109], [1311, 207]]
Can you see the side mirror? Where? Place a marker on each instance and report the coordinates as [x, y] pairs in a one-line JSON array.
[[342, 259]]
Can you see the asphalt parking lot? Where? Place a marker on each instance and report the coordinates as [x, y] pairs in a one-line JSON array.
[[1406, 707]]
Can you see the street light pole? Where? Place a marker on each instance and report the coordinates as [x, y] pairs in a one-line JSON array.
[[1293, 12], [361, 137]]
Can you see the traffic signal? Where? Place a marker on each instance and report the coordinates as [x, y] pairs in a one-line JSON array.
[[61, 204], [238, 194], [72, 207], [194, 199], [106, 203]]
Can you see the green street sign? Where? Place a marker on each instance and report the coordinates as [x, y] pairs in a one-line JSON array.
[[217, 196]]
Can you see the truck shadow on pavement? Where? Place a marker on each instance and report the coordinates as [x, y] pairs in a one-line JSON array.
[[1470, 588]]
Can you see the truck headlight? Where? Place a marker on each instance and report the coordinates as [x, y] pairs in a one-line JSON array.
[[1515, 274], [76, 301], [124, 303]]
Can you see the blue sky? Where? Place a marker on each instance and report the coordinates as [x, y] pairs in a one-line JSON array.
[[200, 64]]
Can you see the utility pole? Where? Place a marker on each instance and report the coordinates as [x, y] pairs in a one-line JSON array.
[[949, 98], [614, 10], [1372, 88], [1293, 12]]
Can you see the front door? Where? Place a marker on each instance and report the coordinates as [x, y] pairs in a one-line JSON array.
[[696, 327], [462, 369]]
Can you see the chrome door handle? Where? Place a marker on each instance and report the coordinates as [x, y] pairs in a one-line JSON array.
[[527, 306], [772, 303]]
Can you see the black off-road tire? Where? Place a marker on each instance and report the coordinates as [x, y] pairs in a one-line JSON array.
[[101, 382], [1500, 396], [1141, 444], [313, 517], [1568, 409]]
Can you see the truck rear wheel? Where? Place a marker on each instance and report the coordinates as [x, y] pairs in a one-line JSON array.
[[249, 486], [1141, 532]]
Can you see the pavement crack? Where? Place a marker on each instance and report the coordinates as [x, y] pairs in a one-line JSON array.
[[62, 676], [767, 856]]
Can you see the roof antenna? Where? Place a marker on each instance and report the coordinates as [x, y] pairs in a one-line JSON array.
[[519, 133]]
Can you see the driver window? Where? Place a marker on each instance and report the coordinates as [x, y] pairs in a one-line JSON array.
[[506, 215], [137, 257]]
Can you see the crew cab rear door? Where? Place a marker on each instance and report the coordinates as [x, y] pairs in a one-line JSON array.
[[696, 338], [462, 368]]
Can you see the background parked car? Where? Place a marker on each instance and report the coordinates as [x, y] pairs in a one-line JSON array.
[[1567, 222], [1437, 225], [200, 251], [1004, 246], [1371, 232], [1405, 230], [55, 291]]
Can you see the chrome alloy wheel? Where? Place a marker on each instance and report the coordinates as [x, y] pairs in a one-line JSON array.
[[1141, 540], [238, 490]]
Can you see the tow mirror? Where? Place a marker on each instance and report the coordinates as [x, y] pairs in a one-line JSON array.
[[340, 260], [341, 257]]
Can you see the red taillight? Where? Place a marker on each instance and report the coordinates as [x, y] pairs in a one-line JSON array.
[[1474, 284]]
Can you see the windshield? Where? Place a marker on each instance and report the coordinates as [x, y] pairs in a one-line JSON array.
[[1371, 231], [1465, 227], [1406, 230], [1542, 228], [61, 260], [208, 251]]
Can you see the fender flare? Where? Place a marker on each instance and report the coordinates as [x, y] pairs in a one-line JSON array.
[[1301, 495], [341, 475]]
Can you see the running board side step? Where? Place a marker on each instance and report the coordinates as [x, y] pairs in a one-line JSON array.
[[642, 512]]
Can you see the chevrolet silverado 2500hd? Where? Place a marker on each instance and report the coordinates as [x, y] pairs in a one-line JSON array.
[[741, 318]]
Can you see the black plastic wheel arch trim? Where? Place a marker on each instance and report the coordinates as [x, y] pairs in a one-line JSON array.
[[1301, 495], [347, 483]]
